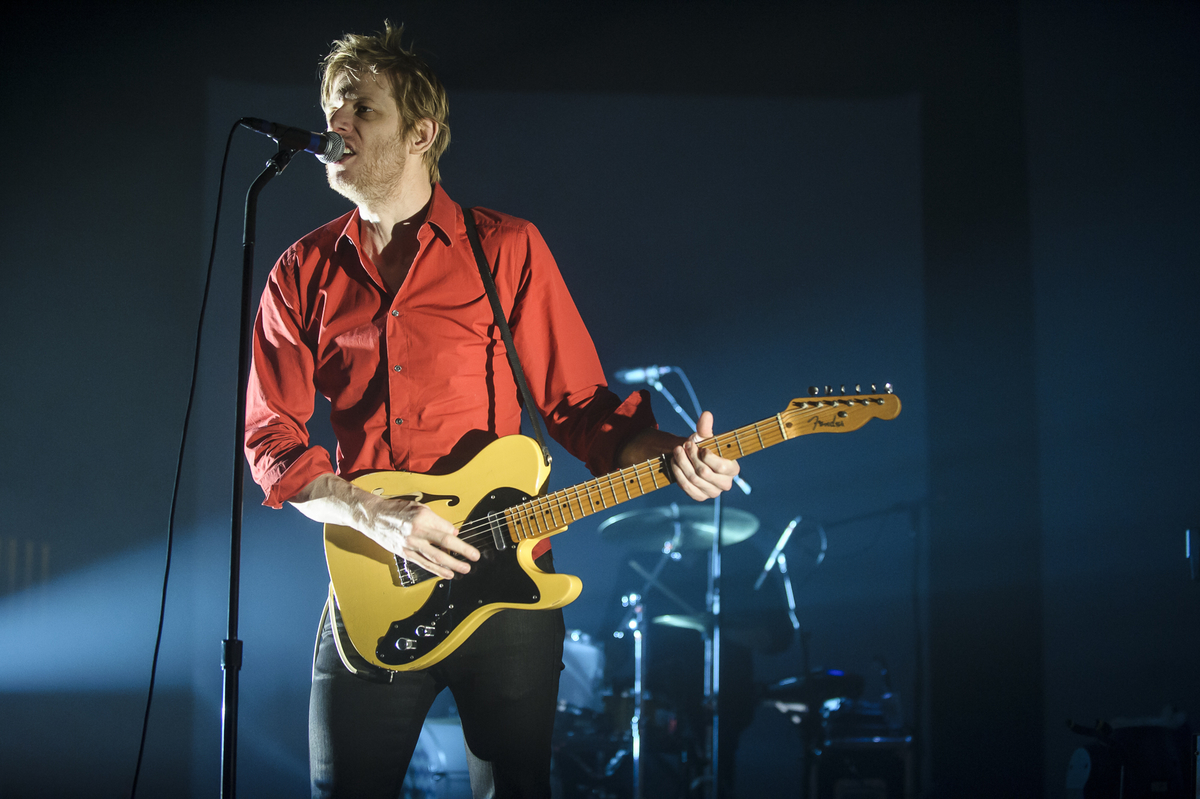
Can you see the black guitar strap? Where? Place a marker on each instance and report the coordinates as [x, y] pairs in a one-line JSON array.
[[488, 283]]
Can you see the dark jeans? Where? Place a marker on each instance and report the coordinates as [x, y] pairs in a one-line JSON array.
[[504, 679]]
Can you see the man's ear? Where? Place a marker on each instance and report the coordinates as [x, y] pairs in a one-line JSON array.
[[421, 136]]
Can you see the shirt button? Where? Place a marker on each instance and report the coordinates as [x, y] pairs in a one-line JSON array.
[[399, 420], [397, 368], [395, 313]]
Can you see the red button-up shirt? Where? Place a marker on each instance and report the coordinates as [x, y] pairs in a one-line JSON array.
[[420, 381]]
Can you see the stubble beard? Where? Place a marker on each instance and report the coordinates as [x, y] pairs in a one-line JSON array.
[[377, 175]]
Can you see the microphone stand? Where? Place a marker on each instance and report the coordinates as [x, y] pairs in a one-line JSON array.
[[231, 647], [776, 552], [777, 558]]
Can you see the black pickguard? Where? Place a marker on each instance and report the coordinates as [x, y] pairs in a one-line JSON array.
[[497, 577]]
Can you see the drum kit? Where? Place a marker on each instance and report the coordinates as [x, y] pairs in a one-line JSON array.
[[613, 743]]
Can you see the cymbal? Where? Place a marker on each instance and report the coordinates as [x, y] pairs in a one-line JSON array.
[[766, 631], [700, 622], [650, 528]]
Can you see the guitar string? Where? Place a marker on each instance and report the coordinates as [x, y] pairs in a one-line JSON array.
[[478, 531]]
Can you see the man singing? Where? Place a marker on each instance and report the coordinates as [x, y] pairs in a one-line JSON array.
[[383, 311]]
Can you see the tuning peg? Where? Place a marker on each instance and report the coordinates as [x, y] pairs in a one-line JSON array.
[[857, 388], [888, 387], [873, 389], [813, 391], [843, 391], [828, 391]]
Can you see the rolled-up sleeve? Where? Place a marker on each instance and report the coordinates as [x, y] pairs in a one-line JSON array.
[[562, 367], [280, 392]]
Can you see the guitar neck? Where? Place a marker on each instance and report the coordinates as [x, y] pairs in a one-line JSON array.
[[549, 514]]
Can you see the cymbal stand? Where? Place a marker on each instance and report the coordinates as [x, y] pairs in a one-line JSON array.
[[634, 620], [652, 580], [636, 623], [712, 654], [670, 552], [712, 641]]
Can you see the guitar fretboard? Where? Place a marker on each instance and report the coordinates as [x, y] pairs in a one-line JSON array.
[[544, 515]]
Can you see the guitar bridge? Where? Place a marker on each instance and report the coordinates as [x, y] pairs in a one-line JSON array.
[[411, 574]]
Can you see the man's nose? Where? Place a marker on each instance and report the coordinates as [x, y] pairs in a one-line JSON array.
[[339, 120]]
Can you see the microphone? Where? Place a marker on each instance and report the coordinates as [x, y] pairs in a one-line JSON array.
[[648, 374], [327, 147]]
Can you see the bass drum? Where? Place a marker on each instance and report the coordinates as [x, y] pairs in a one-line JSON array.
[[438, 769]]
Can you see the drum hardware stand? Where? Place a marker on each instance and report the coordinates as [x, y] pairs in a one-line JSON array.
[[652, 580], [712, 641], [670, 552], [634, 620], [636, 623], [777, 558]]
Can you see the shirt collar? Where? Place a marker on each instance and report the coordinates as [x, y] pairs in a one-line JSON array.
[[350, 232], [350, 229], [442, 216]]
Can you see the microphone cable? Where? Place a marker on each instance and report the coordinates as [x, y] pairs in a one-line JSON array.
[[187, 416]]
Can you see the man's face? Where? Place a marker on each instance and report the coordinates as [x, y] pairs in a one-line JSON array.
[[363, 111]]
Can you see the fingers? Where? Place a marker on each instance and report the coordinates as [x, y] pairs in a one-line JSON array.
[[684, 469], [433, 559], [425, 539], [701, 473]]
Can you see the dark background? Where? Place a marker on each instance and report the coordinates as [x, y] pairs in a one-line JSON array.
[[993, 206]]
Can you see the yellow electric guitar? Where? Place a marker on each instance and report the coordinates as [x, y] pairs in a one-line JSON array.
[[402, 617]]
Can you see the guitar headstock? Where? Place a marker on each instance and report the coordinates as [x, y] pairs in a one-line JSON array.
[[837, 413]]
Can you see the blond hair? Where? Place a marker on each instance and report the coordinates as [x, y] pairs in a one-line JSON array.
[[417, 91]]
